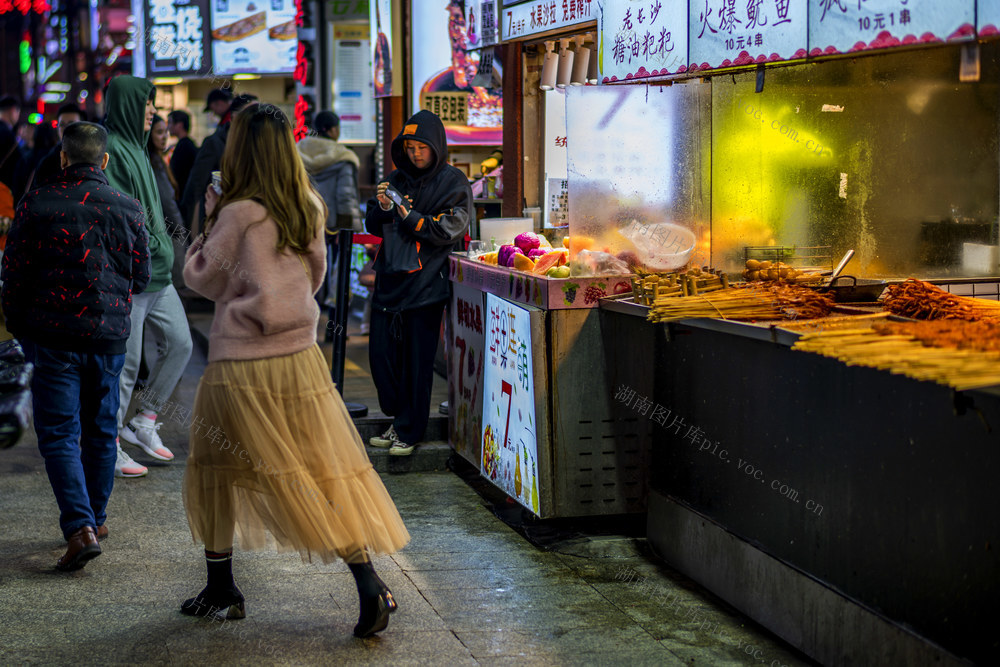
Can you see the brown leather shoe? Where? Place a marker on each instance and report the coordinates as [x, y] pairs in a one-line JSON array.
[[102, 532], [83, 547]]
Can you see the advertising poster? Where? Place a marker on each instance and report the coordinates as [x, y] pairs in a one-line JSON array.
[[256, 36], [724, 33], [443, 73], [383, 38], [839, 26], [639, 39], [176, 37], [353, 89], [510, 451], [466, 364]]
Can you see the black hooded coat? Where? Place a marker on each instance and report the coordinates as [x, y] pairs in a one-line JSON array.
[[411, 268]]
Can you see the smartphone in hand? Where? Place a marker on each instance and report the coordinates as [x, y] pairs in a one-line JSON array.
[[395, 196]]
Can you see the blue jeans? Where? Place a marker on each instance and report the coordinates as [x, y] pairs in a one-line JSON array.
[[75, 401]]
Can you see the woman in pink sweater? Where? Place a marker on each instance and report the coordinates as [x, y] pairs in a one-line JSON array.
[[273, 449]]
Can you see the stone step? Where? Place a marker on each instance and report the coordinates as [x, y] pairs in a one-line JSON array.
[[426, 457], [376, 423]]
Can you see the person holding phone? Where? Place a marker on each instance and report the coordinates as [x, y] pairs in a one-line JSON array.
[[422, 213]]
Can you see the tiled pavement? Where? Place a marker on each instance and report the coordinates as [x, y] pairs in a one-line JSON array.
[[471, 590]]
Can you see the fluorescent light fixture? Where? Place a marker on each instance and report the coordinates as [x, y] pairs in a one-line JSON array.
[[245, 77], [167, 80]]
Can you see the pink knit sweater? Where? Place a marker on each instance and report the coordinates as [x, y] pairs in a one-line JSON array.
[[264, 305]]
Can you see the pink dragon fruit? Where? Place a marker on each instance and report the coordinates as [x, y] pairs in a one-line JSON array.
[[527, 242], [505, 256], [536, 253]]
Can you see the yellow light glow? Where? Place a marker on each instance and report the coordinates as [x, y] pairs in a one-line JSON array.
[[167, 80], [245, 77]]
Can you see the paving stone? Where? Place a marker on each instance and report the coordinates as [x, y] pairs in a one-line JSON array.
[[471, 590]]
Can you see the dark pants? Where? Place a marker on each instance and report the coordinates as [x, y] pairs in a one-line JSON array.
[[75, 401], [401, 349]]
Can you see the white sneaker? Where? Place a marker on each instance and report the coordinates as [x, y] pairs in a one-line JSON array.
[[125, 466], [387, 439], [142, 432], [401, 449]]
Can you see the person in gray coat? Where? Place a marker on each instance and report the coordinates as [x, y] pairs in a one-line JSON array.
[[333, 170]]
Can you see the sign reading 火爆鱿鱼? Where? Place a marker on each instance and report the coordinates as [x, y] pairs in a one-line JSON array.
[[538, 16], [509, 441], [726, 32], [841, 26], [641, 38]]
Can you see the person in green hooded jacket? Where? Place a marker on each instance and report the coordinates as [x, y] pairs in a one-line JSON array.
[[130, 110]]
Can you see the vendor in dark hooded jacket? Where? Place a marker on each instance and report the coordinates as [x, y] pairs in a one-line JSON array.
[[411, 274], [131, 110]]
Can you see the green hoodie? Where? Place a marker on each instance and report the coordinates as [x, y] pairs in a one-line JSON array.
[[129, 170]]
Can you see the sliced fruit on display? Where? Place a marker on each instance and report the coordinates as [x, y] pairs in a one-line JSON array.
[[523, 263]]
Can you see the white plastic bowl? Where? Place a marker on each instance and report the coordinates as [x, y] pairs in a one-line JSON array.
[[662, 246]]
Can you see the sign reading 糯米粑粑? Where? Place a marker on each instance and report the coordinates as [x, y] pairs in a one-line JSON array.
[[841, 26], [726, 32], [531, 18], [641, 38]]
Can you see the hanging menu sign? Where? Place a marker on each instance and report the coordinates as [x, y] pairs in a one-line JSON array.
[[641, 38], [988, 18], [531, 18], [488, 22], [256, 36], [842, 26], [352, 85], [724, 33]]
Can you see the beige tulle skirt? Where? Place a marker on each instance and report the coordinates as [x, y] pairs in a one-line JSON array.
[[274, 450]]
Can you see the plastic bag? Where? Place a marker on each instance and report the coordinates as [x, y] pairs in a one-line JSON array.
[[597, 263]]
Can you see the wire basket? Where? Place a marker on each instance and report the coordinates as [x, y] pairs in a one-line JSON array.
[[804, 258]]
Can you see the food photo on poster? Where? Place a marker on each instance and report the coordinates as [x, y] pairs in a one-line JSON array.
[[256, 36], [444, 71]]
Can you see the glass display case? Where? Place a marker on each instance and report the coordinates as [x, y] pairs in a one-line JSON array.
[[890, 155]]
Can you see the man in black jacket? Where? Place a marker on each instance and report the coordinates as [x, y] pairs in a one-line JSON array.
[[77, 251], [182, 159], [50, 165], [411, 274], [209, 159]]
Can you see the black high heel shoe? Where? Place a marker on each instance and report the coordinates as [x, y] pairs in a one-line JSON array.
[[228, 607], [378, 611], [390, 601]]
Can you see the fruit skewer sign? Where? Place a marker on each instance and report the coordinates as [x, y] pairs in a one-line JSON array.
[[510, 451]]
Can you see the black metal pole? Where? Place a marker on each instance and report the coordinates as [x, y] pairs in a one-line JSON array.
[[338, 318]]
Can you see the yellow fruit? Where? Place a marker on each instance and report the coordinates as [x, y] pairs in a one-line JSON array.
[[522, 263], [489, 258]]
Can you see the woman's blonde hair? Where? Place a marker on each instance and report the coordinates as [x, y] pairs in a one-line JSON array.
[[261, 164]]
